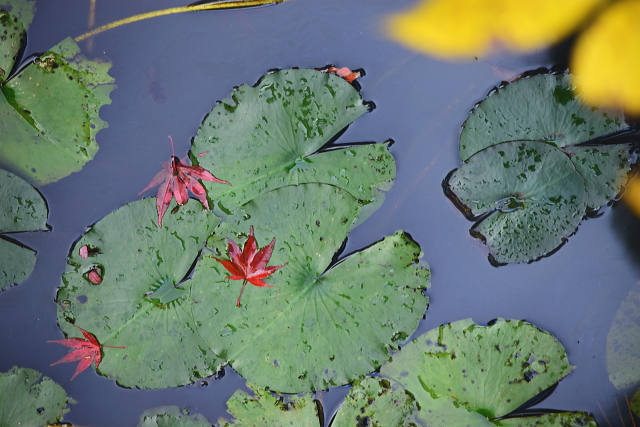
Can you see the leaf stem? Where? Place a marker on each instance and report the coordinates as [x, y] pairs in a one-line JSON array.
[[237, 4], [244, 283]]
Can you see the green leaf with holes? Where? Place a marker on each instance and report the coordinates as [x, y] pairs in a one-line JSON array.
[[15, 18], [171, 416], [527, 196], [623, 342], [321, 324], [22, 209], [376, 402], [463, 371], [266, 410], [268, 136], [545, 108], [29, 399], [49, 112], [140, 303]]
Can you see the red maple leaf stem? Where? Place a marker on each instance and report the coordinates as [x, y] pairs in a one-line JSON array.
[[244, 283]]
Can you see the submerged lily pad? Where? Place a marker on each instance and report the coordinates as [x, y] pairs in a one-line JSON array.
[[49, 113], [134, 304], [264, 409], [375, 402], [316, 328], [268, 136], [22, 209], [29, 399], [171, 416], [465, 374], [527, 195], [623, 342], [545, 108]]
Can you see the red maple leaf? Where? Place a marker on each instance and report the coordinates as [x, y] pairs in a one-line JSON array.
[[343, 72], [175, 179], [87, 351], [249, 265]]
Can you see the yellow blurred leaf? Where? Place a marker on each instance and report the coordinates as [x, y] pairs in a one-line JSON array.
[[632, 196], [453, 28], [605, 60]]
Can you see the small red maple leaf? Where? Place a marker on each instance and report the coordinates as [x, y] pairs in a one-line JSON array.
[[343, 72], [249, 265], [87, 351], [175, 179]]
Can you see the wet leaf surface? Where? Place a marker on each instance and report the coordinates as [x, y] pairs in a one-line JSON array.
[[39, 142], [528, 194], [375, 402], [133, 306], [265, 410], [15, 18], [623, 342], [314, 329], [545, 108], [29, 399], [171, 416], [635, 403], [22, 209], [489, 371], [264, 137]]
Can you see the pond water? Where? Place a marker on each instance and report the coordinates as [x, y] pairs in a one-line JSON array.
[[170, 71]]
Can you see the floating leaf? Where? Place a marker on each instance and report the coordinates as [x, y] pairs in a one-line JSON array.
[[50, 116], [375, 402], [623, 342], [315, 328], [140, 303], [263, 409], [527, 194], [545, 108], [489, 371], [467, 28], [15, 18], [22, 209], [268, 136], [635, 403], [29, 399], [171, 416], [603, 68]]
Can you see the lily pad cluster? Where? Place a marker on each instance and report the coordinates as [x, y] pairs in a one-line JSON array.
[[160, 292], [22, 209], [29, 399], [534, 162], [458, 374], [49, 108]]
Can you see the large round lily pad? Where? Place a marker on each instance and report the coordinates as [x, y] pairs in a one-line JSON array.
[[50, 116], [527, 194], [29, 399], [265, 410], [171, 416], [314, 329], [545, 108], [267, 136], [623, 342], [480, 373], [137, 304], [22, 209]]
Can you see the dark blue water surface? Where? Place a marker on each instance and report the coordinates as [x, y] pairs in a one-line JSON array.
[[171, 70]]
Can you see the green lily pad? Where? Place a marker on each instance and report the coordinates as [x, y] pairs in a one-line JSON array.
[[562, 419], [22, 209], [635, 403], [29, 399], [545, 108], [50, 116], [489, 371], [314, 329], [133, 306], [623, 342], [527, 194], [171, 416], [15, 18], [265, 410], [268, 136], [375, 402]]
